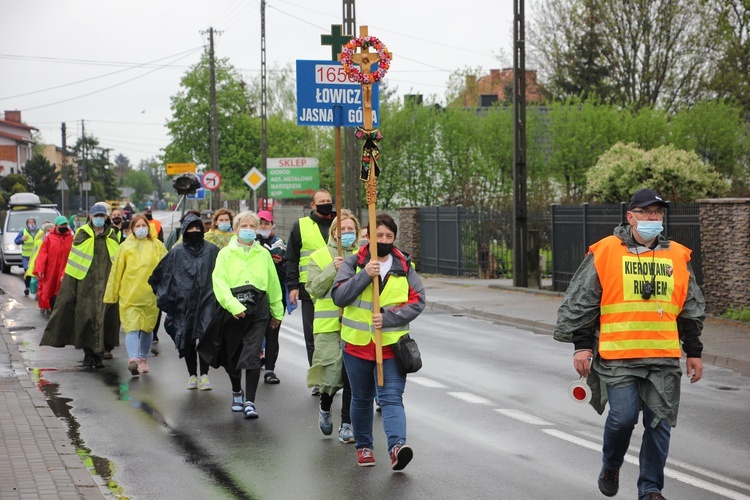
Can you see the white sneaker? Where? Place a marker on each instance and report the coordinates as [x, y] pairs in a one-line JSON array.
[[204, 384], [192, 383]]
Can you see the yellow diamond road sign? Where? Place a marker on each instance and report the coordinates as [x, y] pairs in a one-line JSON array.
[[254, 179]]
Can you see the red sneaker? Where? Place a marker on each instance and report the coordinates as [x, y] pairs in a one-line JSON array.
[[401, 455], [365, 457]]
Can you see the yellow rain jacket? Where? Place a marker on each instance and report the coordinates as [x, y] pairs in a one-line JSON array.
[[128, 282]]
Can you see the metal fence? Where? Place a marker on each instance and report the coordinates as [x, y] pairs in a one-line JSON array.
[[458, 241], [575, 228]]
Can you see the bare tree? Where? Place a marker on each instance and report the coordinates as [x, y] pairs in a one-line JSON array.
[[634, 52]]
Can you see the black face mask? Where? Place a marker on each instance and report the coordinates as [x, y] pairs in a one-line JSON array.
[[384, 249], [324, 209], [62, 230], [192, 237], [149, 216], [117, 220]]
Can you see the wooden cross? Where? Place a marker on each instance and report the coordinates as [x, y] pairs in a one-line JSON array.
[[365, 60], [335, 40]]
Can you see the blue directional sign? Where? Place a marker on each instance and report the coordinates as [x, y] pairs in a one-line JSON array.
[[200, 194], [327, 97]]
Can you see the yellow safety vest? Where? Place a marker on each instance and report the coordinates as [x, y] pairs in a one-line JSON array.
[[28, 245], [81, 256], [356, 324], [326, 312], [311, 240], [631, 326]]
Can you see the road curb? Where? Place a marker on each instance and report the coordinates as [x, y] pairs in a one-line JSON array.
[[544, 328]]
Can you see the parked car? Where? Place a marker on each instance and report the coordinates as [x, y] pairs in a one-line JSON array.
[[21, 207]]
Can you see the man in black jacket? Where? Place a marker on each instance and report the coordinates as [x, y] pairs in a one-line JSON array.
[[307, 235]]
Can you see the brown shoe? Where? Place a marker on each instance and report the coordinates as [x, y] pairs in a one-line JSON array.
[[133, 366]]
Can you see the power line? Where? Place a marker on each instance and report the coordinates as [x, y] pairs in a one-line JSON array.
[[100, 76], [65, 60], [105, 88]]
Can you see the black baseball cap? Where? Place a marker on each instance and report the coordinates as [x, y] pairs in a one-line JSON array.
[[645, 197]]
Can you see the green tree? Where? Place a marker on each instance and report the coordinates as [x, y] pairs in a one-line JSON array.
[[569, 45], [42, 176], [122, 167], [680, 176], [579, 133], [18, 188], [142, 185], [189, 126], [717, 132], [731, 75], [93, 166], [10, 180]]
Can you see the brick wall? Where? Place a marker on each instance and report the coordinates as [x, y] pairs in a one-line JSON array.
[[408, 232], [725, 249]]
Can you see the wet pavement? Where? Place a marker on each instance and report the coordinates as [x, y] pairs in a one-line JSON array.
[[43, 456]]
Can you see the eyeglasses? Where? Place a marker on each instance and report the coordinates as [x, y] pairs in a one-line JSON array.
[[658, 212]]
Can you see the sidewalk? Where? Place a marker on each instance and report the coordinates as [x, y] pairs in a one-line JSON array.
[[725, 342], [37, 459]]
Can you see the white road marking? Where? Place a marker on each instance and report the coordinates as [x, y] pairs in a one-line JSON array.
[[426, 382], [470, 398], [680, 476], [292, 330], [522, 416]]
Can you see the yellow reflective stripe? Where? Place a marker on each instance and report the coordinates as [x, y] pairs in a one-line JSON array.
[[355, 325], [75, 264], [327, 314], [392, 329], [639, 307], [81, 254], [639, 326], [362, 304], [627, 345]]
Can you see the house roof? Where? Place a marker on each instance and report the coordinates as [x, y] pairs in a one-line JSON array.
[[14, 137], [17, 125]]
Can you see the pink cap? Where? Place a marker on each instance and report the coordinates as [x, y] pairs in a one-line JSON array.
[[265, 214]]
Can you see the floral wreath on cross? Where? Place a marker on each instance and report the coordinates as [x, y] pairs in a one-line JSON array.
[[351, 68]]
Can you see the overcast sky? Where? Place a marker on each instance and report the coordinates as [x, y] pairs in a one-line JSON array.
[[132, 54]]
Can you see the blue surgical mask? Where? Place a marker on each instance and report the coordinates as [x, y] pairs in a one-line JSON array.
[[247, 235], [141, 232], [98, 221], [348, 239], [225, 226], [649, 229]]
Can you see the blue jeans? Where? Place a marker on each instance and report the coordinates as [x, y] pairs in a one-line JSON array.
[[138, 343], [363, 379], [624, 407]]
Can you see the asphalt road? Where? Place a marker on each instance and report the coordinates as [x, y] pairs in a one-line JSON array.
[[488, 417]]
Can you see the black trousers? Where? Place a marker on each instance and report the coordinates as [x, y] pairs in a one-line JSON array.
[[308, 316], [192, 359], [272, 347]]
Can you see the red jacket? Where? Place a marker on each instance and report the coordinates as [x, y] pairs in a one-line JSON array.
[[51, 262]]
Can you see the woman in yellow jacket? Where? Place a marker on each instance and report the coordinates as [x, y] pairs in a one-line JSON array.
[[136, 259], [247, 288], [327, 370]]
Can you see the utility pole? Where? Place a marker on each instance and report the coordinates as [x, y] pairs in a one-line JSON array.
[[520, 222], [351, 151], [82, 167], [263, 104], [213, 127], [64, 132]]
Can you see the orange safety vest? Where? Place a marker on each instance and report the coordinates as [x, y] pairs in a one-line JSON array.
[[630, 326], [156, 225]]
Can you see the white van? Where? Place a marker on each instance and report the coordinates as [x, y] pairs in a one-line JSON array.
[[21, 207]]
